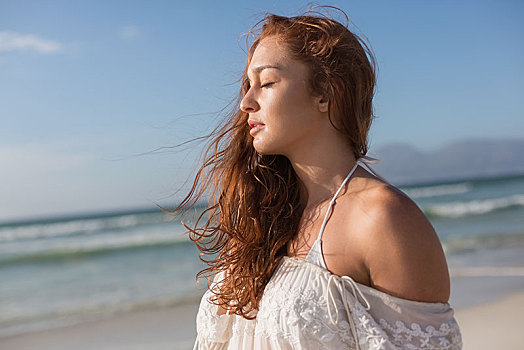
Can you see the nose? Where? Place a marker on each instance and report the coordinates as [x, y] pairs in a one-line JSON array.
[[249, 103]]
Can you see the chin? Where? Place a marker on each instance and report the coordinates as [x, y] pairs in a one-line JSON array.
[[268, 152], [259, 147], [262, 148], [262, 151], [265, 148]]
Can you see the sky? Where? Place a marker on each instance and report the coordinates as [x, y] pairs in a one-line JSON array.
[[88, 89]]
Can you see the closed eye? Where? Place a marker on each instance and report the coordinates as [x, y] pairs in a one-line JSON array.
[[266, 85], [246, 86]]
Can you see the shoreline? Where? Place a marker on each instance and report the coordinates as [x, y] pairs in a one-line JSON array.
[[486, 325]]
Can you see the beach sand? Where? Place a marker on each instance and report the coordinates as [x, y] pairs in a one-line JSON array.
[[494, 325], [170, 328]]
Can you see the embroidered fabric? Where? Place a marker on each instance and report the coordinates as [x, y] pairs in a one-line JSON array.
[[304, 306]]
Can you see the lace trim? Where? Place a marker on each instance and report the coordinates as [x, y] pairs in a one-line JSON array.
[[429, 338]]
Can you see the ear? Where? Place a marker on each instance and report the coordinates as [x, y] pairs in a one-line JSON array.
[[323, 104]]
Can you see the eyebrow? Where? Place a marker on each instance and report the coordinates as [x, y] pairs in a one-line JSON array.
[[259, 69], [266, 66]]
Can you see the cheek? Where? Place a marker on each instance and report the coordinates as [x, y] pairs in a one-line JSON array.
[[291, 107], [299, 114]]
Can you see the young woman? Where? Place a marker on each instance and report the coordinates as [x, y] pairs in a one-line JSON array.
[[309, 248]]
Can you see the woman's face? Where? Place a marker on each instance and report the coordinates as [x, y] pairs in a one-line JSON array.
[[283, 114]]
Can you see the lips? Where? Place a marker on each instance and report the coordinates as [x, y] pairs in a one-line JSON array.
[[254, 124]]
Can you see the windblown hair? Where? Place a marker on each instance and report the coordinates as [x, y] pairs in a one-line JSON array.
[[256, 201]]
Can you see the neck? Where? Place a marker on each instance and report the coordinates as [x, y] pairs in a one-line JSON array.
[[322, 167]]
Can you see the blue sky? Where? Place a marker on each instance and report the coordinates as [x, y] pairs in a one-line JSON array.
[[85, 86]]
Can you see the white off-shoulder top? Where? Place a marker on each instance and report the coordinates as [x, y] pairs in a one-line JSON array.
[[305, 306]]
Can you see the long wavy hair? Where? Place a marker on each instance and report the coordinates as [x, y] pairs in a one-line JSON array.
[[256, 201]]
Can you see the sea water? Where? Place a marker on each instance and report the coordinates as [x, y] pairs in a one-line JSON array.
[[57, 272]]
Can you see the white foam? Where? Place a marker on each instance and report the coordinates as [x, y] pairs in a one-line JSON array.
[[95, 243], [475, 207], [65, 228], [438, 190]]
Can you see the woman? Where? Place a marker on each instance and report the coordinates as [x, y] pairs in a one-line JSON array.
[[309, 248]]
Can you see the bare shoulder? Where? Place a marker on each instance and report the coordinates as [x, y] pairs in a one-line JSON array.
[[403, 253]]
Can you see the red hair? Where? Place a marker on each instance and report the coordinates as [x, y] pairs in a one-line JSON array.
[[256, 201]]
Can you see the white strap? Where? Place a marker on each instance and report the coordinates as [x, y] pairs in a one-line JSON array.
[[360, 160], [365, 160], [333, 201], [340, 284]]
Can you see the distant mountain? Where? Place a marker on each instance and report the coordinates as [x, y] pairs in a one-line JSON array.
[[401, 163]]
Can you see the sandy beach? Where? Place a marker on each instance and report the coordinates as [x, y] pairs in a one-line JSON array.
[[492, 325], [171, 328], [496, 325]]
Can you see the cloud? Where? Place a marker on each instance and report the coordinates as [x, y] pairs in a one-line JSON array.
[[129, 32], [12, 41]]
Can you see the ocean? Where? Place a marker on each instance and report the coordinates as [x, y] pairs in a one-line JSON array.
[[63, 271]]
